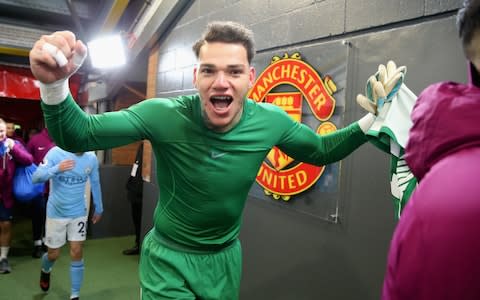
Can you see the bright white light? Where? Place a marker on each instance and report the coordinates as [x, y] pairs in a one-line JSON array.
[[107, 52]]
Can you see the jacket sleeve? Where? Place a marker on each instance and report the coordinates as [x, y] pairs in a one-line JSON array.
[[21, 155]]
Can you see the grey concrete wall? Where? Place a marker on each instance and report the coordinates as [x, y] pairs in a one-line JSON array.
[[289, 255], [116, 219], [282, 23]]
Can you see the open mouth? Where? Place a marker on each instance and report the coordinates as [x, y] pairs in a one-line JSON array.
[[221, 103]]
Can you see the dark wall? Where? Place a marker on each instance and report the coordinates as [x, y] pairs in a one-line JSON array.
[[116, 218], [150, 196]]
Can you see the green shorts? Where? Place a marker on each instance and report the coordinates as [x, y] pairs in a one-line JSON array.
[[167, 272]]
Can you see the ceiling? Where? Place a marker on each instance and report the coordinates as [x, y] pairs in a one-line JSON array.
[[22, 22]]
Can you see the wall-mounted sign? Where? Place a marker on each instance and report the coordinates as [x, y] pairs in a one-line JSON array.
[[280, 176]]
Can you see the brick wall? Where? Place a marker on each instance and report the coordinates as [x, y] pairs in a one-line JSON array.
[[130, 93]]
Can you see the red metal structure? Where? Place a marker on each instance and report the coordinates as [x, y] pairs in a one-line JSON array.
[[20, 96]]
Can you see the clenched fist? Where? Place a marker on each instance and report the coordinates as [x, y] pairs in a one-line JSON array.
[[57, 56]]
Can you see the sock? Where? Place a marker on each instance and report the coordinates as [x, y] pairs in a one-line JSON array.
[[4, 252], [46, 263], [37, 242], [76, 277]]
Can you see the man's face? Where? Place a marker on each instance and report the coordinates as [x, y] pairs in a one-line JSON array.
[[222, 77], [10, 129], [3, 131]]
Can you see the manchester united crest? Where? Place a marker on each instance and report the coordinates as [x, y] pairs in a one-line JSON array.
[[280, 176]]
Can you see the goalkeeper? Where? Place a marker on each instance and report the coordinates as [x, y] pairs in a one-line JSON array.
[[208, 149]]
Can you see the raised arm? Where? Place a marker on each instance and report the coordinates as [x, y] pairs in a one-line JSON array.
[[53, 59], [305, 145], [75, 131]]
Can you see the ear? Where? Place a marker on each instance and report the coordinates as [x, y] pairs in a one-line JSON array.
[[195, 69], [252, 77]]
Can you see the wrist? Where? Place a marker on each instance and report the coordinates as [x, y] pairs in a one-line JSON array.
[[366, 122], [54, 93]]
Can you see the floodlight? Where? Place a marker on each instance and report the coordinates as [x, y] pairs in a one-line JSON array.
[[107, 52]]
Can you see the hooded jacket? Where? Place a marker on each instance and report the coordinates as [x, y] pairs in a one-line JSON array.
[[8, 161], [39, 145], [435, 250]]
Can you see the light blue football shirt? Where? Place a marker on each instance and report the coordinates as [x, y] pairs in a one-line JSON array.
[[67, 197]]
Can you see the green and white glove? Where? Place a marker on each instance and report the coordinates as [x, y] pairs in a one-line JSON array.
[[382, 87], [392, 102]]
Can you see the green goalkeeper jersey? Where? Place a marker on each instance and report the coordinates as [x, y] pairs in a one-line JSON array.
[[203, 176]]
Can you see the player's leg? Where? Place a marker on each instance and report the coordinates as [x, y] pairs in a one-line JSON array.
[[6, 217], [216, 275], [160, 276], [76, 232], [55, 238]]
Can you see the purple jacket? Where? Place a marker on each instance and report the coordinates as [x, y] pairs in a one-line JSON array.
[[18, 155], [435, 250], [39, 145]]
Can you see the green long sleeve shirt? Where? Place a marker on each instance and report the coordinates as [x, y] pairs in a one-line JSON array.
[[203, 176]]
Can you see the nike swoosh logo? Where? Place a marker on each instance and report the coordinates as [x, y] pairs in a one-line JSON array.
[[41, 148], [216, 155]]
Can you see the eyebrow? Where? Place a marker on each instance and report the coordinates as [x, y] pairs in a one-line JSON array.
[[228, 66]]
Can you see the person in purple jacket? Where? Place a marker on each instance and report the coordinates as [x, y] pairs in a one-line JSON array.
[[14, 133], [11, 154], [435, 250], [38, 145]]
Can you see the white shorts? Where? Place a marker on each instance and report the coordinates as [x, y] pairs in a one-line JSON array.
[[57, 231]]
